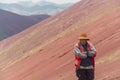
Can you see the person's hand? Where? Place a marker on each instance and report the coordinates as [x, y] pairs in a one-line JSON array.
[[84, 52], [84, 55], [90, 54]]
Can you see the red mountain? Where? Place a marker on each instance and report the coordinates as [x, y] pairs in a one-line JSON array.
[[45, 51]]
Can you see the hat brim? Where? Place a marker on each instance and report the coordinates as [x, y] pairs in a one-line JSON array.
[[83, 38]]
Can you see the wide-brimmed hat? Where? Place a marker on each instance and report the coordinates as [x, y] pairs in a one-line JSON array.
[[84, 37]]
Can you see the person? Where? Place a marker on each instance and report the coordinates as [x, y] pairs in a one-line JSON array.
[[85, 53]]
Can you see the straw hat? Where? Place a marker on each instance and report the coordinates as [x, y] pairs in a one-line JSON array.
[[84, 36]]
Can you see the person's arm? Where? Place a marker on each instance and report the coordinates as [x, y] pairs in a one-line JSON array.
[[92, 53], [78, 52], [78, 56]]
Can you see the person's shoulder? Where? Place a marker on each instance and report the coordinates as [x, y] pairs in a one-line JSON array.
[[76, 44], [90, 43]]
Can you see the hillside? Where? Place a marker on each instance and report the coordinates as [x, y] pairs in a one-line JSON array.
[[11, 23], [45, 51]]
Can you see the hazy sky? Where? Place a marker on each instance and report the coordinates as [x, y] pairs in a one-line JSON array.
[[55, 1]]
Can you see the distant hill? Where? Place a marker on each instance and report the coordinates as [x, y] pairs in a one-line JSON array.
[[11, 23], [31, 8], [39, 17]]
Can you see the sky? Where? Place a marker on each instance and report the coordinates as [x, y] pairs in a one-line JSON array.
[[35, 1]]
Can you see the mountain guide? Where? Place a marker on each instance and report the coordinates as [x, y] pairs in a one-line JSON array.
[[85, 53]]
